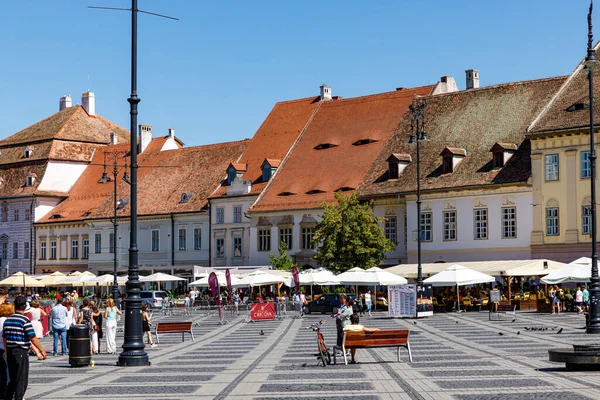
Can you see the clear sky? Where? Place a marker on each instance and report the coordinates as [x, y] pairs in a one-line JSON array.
[[215, 74]]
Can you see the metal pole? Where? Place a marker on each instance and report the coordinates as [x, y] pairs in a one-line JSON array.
[[419, 267], [115, 288], [133, 347]]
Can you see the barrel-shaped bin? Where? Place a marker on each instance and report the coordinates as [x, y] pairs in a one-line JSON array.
[[79, 346]]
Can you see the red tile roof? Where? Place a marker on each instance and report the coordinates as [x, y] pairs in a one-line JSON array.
[[163, 177], [342, 122], [473, 120], [274, 138]]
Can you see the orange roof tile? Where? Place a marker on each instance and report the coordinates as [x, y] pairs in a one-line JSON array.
[[163, 177], [368, 119]]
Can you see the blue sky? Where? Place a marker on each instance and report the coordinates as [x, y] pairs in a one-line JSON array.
[[215, 74]]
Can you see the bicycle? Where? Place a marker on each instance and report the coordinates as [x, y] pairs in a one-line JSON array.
[[323, 356]]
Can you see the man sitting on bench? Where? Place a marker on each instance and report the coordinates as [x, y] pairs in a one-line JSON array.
[[356, 327]]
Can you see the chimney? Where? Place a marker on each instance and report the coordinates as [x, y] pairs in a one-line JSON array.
[[88, 101], [325, 92], [144, 137], [64, 102], [113, 138], [447, 84], [472, 79], [171, 133]]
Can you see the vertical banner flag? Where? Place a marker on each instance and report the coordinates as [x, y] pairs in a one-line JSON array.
[[229, 291], [296, 278], [213, 282]]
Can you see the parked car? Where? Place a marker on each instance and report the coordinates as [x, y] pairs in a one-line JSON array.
[[327, 302], [153, 298]]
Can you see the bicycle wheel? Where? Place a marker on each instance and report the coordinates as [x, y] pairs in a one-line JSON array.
[[323, 354], [327, 356]]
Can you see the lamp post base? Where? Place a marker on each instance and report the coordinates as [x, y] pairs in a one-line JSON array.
[[133, 359]]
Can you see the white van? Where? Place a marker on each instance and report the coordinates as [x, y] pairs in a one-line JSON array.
[[154, 298]]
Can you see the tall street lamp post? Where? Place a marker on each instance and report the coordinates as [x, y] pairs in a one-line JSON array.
[[418, 134], [118, 205], [591, 62]]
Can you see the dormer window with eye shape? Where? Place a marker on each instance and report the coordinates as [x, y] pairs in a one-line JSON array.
[[285, 194], [324, 146], [451, 157], [315, 191], [185, 197], [396, 164], [268, 168], [502, 152], [27, 152], [577, 107], [362, 142], [235, 170]]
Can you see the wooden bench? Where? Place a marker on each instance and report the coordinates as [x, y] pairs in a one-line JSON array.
[[174, 327], [504, 309], [382, 338]]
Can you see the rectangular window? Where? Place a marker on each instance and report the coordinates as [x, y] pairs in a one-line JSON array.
[[552, 221], [426, 227], [16, 214], [586, 170], [237, 214], [86, 248], [74, 248], [480, 223], [307, 236], [26, 250], [42, 250], [220, 215], [390, 229], [182, 238], [98, 242], [449, 225], [509, 222], [15, 250], [586, 220], [4, 250], [197, 238], [53, 250], [237, 247], [220, 248], [111, 242], [551, 167], [285, 235], [405, 232], [264, 240], [4, 213], [155, 240], [27, 214]]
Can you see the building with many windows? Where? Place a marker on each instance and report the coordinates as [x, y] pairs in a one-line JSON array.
[[560, 151], [38, 167], [475, 175], [173, 223]]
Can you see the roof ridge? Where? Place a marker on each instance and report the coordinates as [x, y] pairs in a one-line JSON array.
[[296, 100], [402, 93], [67, 120]]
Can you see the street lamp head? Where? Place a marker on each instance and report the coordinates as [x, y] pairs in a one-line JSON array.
[[423, 136], [126, 178], [121, 204], [104, 178], [411, 139]]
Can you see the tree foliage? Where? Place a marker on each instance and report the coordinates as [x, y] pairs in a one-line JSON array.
[[350, 235], [283, 261]]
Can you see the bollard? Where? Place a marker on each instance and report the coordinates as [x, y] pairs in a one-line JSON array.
[[79, 346]]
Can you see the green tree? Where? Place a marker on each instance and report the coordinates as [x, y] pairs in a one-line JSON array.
[[283, 261], [350, 235]]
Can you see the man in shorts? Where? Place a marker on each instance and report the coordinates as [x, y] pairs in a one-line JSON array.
[[579, 300]]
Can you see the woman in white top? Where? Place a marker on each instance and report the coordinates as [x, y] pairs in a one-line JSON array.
[[368, 301], [110, 316], [36, 322]]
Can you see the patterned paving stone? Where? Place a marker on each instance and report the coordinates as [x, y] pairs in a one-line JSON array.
[[180, 369], [155, 390], [166, 378], [465, 372], [496, 383], [524, 396], [316, 387], [451, 364], [347, 397], [315, 376]]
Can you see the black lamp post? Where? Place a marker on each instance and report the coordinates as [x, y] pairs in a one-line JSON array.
[[591, 62], [118, 205], [418, 134]]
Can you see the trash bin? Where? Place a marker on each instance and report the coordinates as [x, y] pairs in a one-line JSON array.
[[79, 346]]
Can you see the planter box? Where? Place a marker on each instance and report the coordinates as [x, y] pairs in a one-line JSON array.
[[544, 307]]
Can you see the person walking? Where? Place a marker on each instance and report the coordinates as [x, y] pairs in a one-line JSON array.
[[342, 319], [85, 317], [59, 326], [97, 334], [303, 303], [71, 320], [110, 316], [36, 321], [146, 324], [368, 302], [586, 299], [18, 335], [236, 301], [579, 300], [6, 310]]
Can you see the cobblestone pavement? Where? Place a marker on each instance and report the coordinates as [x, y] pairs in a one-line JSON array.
[[455, 356]]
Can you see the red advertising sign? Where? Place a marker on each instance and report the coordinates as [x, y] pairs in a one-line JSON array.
[[229, 291], [262, 311], [296, 277], [213, 282]]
